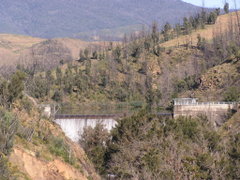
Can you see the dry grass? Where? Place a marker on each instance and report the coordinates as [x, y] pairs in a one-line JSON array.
[[221, 26], [12, 47], [75, 45], [16, 43]]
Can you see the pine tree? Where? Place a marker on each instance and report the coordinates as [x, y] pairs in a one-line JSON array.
[[155, 34], [16, 86], [226, 8], [187, 26], [166, 31]]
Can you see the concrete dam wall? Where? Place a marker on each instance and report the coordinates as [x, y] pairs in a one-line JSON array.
[[216, 112], [74, 127]]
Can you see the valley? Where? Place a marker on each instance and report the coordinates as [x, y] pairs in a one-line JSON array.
[[61, 99]]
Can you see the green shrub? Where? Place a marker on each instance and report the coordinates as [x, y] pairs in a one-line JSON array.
[[121, 94], [16, 86], [58, 95], [152, 160], [188, 83], [136, 104], [232, 94], [213, 140], [188, 126], [12, 90], [26, 104], [94, 142], [39, 87], [58, 147], [8, 128], [5, 173]]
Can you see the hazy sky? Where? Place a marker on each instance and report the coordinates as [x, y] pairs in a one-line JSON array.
[[213, 3]]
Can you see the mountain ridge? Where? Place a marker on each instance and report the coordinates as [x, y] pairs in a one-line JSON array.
[[68, 18]]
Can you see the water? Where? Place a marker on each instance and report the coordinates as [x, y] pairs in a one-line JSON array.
[[74, 128]]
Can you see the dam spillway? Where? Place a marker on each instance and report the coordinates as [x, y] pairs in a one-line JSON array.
[[73, 125]]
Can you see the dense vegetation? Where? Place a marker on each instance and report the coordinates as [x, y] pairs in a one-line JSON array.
[[8, 129], [149, 147]]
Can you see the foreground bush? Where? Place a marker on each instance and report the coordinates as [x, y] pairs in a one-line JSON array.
[[8, 129], [148, 147]]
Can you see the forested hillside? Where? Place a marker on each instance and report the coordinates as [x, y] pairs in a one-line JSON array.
[[144, 72], [142, 68]]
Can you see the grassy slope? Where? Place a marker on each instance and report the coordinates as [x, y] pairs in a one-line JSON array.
[[165, 71], [221, 26], [15, 48], [11, 47]]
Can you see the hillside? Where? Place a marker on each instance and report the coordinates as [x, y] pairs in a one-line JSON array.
[[34, 147], [167, 67], [126, 72], [221, 83], [69, 18], [222, 25], [22, 49], [11, 47], [140, 75], [17, 49]]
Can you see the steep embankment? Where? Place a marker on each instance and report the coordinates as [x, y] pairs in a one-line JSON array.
[[39, 169], [42, 152]]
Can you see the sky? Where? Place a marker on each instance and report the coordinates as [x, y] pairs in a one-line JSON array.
[[214, 3]]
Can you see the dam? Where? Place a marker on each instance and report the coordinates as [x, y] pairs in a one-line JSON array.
[[216, 112], [73, 125]]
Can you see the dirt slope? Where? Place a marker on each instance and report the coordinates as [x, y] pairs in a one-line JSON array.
[[38, 169]]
